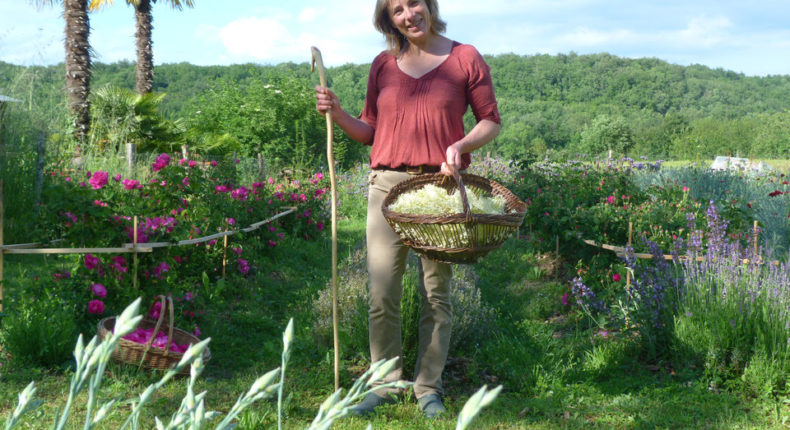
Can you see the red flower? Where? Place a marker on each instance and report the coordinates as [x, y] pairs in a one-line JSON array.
[[96, 307], [616, 277]]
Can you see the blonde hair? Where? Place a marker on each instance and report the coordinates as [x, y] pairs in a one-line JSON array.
[[396, 41]]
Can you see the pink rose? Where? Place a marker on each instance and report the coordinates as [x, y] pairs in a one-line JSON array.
[[98, 180], [99, 290], [96, 307], [161, 162], [91, 262]]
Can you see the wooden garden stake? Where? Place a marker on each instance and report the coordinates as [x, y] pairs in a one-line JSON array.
[[224, 254], [630, 234], [330, 159], [134, 256], [756, 232]]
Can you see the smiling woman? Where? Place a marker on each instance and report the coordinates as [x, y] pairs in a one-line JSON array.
[[418, 91]]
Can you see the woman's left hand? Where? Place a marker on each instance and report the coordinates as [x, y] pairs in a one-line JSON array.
[[453, 159]]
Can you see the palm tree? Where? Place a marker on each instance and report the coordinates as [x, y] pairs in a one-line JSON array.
[[144, 73], [78, 63]]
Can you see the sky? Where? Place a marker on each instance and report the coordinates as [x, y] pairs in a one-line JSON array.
[[749, 37]]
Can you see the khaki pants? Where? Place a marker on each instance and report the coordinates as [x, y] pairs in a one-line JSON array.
[[386, 265]]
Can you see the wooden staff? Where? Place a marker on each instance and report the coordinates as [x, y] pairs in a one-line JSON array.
[[330, 158], [2, 251]]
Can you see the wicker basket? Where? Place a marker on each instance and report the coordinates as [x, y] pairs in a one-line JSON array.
[[462, 238], [138, 354]]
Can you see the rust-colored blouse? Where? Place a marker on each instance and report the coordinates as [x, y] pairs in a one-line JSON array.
[[415, 120]]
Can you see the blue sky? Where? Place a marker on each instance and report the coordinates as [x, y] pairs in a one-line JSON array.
[[750, 37]]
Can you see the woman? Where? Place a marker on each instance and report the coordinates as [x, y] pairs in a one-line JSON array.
[[417, 93]]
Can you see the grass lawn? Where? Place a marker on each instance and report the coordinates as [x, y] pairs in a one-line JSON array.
[[553, 375]]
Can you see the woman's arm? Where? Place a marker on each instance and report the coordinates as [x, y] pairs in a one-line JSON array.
[[484, 132], [327, 101]]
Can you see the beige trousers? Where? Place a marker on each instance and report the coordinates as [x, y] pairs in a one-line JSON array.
[[386, 265]]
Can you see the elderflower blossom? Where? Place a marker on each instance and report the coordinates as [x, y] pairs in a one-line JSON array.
[[432, 199]]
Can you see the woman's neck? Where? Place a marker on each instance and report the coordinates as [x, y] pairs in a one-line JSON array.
[[432, 44]]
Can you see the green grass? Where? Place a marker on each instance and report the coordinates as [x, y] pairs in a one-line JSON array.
[[553, 375]]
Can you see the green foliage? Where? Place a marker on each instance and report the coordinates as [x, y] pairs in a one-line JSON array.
[[120, 116], [607, 133], [40, 331]]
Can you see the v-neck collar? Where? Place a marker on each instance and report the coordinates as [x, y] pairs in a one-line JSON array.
[[429, 72]]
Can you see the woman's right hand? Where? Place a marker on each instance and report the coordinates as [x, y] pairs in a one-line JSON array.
[[326, 100]]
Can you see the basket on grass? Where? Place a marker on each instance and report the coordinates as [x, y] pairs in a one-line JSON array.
[[461, 238], [147, 355]]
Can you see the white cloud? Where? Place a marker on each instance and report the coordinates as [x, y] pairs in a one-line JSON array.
[[704, 31], [308, 14]]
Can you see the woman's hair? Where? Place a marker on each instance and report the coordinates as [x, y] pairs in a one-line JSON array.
[[396, 41]]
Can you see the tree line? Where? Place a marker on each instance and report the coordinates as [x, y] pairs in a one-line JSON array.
[[561, 105]]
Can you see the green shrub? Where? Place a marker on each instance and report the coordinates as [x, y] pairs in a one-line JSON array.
[[41, 332]]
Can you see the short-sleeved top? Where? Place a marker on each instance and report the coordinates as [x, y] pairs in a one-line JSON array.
[[416, 119]]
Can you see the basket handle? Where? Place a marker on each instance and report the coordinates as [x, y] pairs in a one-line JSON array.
[[167, 306], [464, 199]]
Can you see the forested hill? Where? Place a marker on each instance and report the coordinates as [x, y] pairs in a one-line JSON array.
[[546, 102]]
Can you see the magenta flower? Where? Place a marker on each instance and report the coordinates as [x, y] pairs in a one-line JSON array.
[[616, 277], [610, 200], [191, 163], [98, 180], [155, 311], [196, 332], [240, 193], [117, 178], [161, 162], [61, 275], [96, 307], [244, 266], [131, 184], [319, 225], [91, 262], [565, 299], [119, 264], [231, 221], [213, 163], [99, 290], [685, 189], [160, 269]]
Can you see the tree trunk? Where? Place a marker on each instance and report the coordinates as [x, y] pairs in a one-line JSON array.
[[78, 65], [145, 52]]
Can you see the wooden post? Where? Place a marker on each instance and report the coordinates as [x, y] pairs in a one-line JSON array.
[[756, 232], [2, 251], [184, 151], [134, 256], [39, 169], [131, 153], [224, 254], [630, 233]]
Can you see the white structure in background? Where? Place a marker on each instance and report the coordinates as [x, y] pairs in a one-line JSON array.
[[742, 164]]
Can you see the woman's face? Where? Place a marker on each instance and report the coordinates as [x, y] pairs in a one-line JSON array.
[[411, 18]]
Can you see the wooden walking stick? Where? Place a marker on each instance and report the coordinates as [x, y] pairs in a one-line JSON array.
[[330, 159]]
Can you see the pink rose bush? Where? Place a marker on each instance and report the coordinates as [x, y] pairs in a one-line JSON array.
[[180, 199]]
